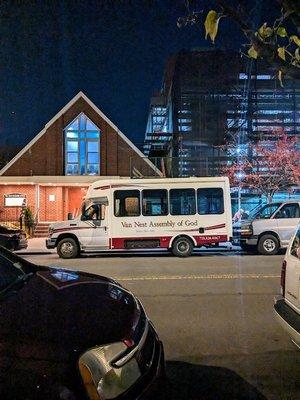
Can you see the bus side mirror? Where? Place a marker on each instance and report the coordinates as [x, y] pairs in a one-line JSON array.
[[70, 216], [83, 216]]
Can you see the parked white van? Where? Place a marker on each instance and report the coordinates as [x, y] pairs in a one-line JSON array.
[[287, 306], [128, 214], [269, 228]]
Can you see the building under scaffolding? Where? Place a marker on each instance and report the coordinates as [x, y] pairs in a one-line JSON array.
[[210, 98]]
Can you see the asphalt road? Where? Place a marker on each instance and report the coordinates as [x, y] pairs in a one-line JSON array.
[[214, 314]]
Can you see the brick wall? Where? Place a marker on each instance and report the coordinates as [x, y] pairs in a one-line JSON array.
[[54, 205], [46, 156], [13, 213], [51, 203]]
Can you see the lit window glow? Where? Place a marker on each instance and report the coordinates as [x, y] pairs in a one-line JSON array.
[[82, 147]]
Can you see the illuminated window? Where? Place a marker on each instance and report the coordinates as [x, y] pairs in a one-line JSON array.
[[127, 203], [155, 202], [82, 147]]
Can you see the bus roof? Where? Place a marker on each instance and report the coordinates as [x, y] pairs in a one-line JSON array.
[[107, 183]]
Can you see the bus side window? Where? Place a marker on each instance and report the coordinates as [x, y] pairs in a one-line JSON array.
[[155, 202], [182, 202], [210, 201], [127, 203]]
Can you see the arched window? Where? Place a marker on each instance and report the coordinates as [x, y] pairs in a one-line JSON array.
[[82, 147]]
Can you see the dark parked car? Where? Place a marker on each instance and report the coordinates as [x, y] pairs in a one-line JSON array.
[[12, 239], [73, 335]]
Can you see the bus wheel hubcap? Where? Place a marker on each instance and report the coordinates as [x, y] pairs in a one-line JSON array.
[[183, 247], [67, 248]]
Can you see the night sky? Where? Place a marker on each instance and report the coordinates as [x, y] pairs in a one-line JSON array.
[[114, 51]]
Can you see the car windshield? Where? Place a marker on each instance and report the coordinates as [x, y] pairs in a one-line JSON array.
[[9, 271], [265, 212]]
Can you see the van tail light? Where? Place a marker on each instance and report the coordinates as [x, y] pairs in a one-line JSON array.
[[128, 342], [282, 280]]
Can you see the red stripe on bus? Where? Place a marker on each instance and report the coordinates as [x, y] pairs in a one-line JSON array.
[[207, 228], [117, 186], [119, 243], [75, 228]]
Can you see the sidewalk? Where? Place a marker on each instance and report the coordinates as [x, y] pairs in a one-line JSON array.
[[36, 246]]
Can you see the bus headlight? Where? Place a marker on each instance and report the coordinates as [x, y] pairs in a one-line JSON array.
[[101, 380]]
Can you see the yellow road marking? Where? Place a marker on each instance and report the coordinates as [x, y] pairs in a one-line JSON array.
[[197, 277]]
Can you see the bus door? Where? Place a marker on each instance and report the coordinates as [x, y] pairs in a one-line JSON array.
[[98, 220], [211, 210]]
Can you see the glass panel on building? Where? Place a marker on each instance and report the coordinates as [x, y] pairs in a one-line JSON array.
[[182, 202], [73, 126], [210, 201], [72, 146], [92, 146], [127, 203], [155, 202], [93, 169], [82, 122], [72, 169], [90, 126], [93, 158], [92, 135], [82, 147], [72, 157], [72, 135]]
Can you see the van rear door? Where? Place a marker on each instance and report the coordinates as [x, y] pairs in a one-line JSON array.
[[292, 280], [287, 219]]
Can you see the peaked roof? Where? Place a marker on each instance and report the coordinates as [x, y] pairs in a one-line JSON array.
[[59, 114]]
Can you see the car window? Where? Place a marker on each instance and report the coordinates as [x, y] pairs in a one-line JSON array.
[[295, 249], [288, 211], [3, 229], [266, 211], [8, 272]]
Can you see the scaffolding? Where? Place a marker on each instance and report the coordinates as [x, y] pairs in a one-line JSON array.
[[209, 110]]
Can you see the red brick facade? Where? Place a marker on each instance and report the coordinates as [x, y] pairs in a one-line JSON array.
[[54, 204]]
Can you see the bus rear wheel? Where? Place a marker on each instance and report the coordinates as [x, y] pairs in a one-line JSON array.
[[67, 248], [182, 247]]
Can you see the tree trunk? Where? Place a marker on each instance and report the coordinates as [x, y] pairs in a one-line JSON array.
[[270, 198]]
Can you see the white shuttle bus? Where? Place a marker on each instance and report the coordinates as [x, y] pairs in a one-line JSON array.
[[177, 214]]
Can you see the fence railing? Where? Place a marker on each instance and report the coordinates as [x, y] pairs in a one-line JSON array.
[[177, 166]]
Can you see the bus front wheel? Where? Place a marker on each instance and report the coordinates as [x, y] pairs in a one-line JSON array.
[[182, 247], [67, 248]]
